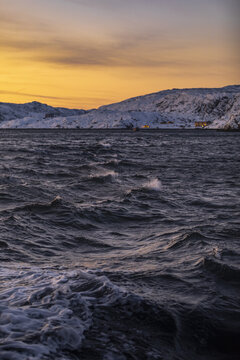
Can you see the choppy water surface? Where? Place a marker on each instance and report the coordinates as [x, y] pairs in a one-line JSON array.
[[119, 245]]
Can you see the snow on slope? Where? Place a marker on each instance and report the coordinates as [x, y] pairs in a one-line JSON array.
[[166, 109], [10, 111]]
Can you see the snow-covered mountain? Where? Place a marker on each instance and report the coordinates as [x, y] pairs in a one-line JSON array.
[[177, 108]]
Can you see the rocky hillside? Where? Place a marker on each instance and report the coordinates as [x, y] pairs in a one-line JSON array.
[[177, 108]]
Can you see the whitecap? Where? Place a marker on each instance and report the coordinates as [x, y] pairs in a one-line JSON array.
[[216, 253], [153, 184], [105, 144], [104, 173], [56, 200]]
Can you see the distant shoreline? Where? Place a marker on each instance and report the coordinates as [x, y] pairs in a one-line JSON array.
[[120, 129]]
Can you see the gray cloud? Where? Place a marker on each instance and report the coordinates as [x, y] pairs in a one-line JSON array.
[[40, 43], [19, 93], [87, 101], [144, 47], [136, 50]]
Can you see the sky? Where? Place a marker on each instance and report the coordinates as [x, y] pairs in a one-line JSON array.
[[87, 53]]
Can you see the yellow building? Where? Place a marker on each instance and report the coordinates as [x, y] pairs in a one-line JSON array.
[[200, 124]]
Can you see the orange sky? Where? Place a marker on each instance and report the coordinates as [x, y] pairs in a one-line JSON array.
[[86, 53]]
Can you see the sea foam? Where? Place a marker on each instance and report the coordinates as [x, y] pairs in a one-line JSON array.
[[153, 184], [46, 312]]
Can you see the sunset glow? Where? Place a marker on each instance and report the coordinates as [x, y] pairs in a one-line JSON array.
[[83, 54]]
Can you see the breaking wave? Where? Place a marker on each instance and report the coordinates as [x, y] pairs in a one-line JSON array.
[[104, 175], [150, 185], [48, 314], [153, 184]]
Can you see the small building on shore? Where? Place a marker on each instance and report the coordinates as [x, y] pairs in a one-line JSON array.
[[201, 124]]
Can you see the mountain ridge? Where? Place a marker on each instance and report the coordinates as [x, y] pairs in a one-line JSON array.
[[175, 108]]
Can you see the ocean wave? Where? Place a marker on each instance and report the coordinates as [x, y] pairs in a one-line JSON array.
[[221, 269], [105, 144], [151, 185], [37, 206], [103, 175], [47, 313], [82, 241], [111, 162], [191, 239]]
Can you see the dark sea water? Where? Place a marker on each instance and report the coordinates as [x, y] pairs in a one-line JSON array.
[[119, 245]]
